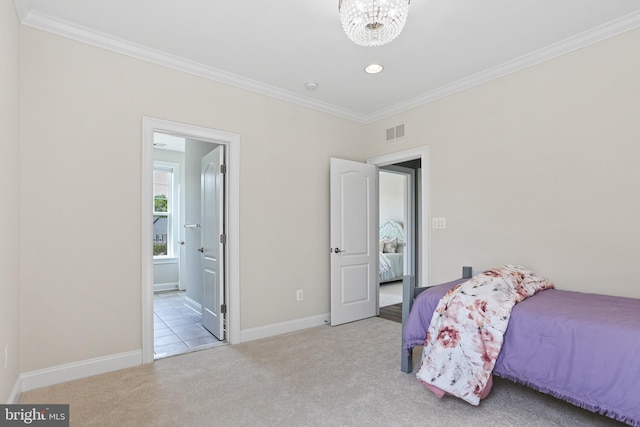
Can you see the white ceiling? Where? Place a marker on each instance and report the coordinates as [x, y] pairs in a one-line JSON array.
[[275, 46], [164, 141]]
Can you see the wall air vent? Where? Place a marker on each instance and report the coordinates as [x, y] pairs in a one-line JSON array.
[[395, 132]]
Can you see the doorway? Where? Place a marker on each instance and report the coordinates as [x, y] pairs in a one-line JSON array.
[[396, 244], [412, 166], [188, 256], [397, 233], [203, 139]]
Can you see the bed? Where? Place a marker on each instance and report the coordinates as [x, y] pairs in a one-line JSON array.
[[582, 348], [392, 243]]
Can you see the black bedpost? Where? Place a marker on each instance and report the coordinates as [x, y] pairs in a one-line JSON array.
[[466, 273], [408, 285]]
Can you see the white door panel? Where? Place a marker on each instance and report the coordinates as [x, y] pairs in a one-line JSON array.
[[212, 250], [355, 274], [354, 242]]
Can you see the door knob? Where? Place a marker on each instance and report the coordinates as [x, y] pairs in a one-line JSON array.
[[337, 250], [201, 250]]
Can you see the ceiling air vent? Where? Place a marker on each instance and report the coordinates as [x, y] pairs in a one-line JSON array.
[[395, 132]]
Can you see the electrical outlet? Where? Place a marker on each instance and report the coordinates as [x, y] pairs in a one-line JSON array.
[[299, 295]]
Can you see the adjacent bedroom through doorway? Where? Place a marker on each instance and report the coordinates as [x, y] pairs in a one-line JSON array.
[[392, 237], [399, 228]]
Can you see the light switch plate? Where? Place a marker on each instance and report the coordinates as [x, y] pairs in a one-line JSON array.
[[438, 223]]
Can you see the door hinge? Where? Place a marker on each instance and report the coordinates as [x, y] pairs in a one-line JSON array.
[[223, 239], [223, 309], [223, 168]]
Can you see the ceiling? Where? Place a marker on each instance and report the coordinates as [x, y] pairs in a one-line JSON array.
[[274, 46], [165, 141]]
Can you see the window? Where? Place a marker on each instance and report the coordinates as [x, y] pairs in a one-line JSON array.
[[165, 211]]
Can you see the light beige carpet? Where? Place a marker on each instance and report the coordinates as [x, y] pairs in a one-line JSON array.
[[326, 376]]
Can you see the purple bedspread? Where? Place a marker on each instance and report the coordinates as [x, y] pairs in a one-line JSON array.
[[582, 348]]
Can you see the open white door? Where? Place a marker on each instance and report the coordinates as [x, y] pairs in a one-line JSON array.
[[354, 241], [212, 250]]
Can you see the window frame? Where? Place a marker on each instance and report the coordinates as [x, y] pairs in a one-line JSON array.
[[173, 207]]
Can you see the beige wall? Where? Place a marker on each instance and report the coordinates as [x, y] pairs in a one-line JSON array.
[[539, 168], [10, 191], [391, 188], [81, 115]]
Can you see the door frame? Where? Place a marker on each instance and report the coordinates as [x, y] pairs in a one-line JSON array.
[[232, 262], [422, 246]]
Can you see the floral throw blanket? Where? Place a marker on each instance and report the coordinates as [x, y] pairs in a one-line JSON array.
[[467, 329]]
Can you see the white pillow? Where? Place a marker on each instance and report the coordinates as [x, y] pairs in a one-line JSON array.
[[390, 246]]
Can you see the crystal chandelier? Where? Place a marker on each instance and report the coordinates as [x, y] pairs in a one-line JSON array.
[[373, 22]]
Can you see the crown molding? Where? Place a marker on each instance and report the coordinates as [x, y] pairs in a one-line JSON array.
[[85, 35], [66, 29], [597, 34], [22, 9]]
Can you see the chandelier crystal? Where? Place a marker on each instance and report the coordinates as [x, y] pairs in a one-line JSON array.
[[373, 22]]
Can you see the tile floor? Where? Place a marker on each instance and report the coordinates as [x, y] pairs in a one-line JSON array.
[[177, 328]]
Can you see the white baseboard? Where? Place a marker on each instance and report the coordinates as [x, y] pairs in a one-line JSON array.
[[284, 327], [162, 287], [100, 365], [73, 371], [14, 396], [193, 305]]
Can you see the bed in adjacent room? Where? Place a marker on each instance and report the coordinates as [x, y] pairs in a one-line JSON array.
[[391, 255], [579, 347]]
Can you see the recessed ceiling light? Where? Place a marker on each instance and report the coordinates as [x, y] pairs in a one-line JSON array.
[[373, 68], [311, 85]]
